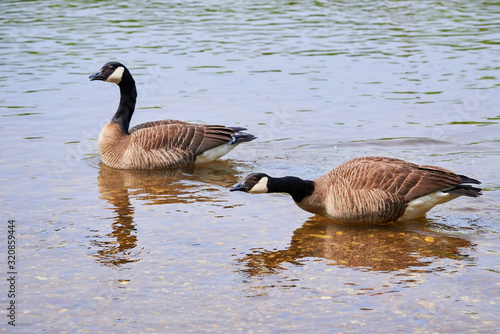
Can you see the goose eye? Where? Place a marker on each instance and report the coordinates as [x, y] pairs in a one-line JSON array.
[[255, 178]]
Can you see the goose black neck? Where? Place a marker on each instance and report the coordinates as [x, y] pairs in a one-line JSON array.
[[292, 185], [128, 97]]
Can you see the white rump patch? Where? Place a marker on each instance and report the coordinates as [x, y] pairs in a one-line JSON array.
[[214, 153], [116, 76], [420, 206], [260, 187]]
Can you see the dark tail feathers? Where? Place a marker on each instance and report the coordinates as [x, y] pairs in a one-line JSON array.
[[241, 137], [463, 189]]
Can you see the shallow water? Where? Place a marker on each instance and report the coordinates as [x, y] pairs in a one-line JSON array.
[[101, 250]]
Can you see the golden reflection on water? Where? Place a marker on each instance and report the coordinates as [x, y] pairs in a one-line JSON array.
[[411, 246], [154, 187]]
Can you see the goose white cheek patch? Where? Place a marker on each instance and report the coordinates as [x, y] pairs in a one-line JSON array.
[[260, 187], [116, 76]]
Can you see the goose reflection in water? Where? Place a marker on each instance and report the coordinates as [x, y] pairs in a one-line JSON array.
[[410, 246], [154, 187]]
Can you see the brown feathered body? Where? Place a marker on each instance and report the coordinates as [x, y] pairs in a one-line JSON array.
[[163, 144], [380, 190]]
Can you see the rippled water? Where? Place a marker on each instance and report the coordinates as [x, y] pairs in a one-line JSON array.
[[319, 82]]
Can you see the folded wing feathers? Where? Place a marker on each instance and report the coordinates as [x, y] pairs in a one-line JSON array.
[[378, 189], [385, 185], [397, 176], [173, 143], [213, 136]]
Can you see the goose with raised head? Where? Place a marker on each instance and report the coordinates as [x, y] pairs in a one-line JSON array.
[[375, 190], [157, 144]]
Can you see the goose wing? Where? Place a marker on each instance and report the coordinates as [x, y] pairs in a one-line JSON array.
[[174, 143], [396, 176], [378, 189]]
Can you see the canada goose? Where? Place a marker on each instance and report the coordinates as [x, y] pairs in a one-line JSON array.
[[374, 190], [157, 144]]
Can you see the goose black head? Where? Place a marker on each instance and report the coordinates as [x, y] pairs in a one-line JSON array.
[[110, 72], [255, 183]]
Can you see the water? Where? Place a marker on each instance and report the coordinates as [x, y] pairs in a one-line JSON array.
[[319, 83]]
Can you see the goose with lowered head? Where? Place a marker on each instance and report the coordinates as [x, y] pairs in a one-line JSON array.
[[375, 190]]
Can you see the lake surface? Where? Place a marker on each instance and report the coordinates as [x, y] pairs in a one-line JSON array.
[[319, 82]]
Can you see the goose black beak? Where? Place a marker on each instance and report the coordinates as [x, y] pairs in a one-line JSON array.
[[97, 76], [238, 187]]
